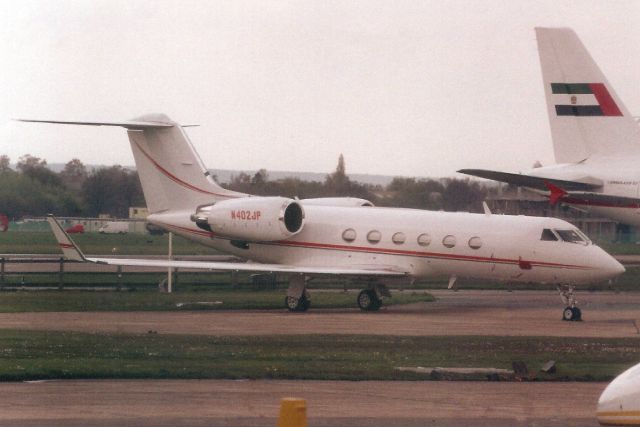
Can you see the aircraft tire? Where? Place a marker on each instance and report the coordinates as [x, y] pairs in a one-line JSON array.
[[571, 313], [577, 314], [368, 300], [297, 304]]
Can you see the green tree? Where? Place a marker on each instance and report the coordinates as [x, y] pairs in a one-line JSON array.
[[37, 169], [111, 191], [5, 164]]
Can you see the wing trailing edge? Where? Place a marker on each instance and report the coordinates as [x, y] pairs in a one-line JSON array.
[[538, 183]]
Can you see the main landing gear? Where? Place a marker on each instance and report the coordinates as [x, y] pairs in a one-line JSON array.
[[298, 298], [370, 299], [571, 311]]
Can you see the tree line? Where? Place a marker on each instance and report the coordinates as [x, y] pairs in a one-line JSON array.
[[32, 189]]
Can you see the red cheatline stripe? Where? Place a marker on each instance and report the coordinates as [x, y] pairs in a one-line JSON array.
[[176, 179], [607, 104], [313, 245]]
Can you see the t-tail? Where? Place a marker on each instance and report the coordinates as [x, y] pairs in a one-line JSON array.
[[172, 174], [586, 115]]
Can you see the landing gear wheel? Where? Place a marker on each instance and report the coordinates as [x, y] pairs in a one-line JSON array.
[[368, 300], [572, 314], [297, 304], [567, 314], [577, 314]]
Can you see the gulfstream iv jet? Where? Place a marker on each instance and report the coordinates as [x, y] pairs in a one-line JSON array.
[[341, 236], [596, 141]]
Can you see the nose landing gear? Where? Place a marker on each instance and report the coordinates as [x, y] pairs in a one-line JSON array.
[[571, 311]]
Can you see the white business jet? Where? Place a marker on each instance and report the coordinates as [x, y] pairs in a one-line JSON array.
[[596, 140], [341, 236]]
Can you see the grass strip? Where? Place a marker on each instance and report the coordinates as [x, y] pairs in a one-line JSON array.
[[31, 355], [49, 301]]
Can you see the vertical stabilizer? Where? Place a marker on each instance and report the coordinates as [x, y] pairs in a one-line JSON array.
[[170, 170], [586, 115]]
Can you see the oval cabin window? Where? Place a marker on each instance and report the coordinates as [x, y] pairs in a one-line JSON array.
[[398, 238], [349, 235], [475, 242], [374, 236], [449, 241], [424, 239]]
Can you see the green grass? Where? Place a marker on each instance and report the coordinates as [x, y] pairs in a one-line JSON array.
[[28, 355], [51, 301], [38, 242]]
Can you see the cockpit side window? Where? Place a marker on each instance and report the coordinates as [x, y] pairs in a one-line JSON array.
[[570, 236], [548, 235]]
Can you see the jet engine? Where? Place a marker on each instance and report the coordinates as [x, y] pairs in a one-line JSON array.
[[337, 201], [255, 219]]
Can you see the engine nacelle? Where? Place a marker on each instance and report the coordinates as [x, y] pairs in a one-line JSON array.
[[337, 201], [255, 219]]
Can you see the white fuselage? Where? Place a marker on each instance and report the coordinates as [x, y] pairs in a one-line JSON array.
[[619, 177], [506, 247]]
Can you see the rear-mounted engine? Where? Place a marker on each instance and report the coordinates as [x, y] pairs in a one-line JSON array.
[[254, 219]]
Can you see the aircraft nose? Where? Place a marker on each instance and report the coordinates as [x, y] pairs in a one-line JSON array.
[[608, 266]]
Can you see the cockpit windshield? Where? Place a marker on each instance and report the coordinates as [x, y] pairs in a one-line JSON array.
[[548, 236], [572, 236], [569, 235]]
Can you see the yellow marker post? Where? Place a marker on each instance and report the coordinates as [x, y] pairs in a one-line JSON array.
[[293, 412]]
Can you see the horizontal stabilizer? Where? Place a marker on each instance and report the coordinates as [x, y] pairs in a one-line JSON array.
[[129, 124], [539, 183]]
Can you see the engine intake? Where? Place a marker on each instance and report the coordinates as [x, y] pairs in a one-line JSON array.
[[252, 218]]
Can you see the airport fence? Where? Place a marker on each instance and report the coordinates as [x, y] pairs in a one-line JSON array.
[[30, 273]]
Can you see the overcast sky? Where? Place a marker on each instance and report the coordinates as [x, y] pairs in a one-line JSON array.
[[414, 88]]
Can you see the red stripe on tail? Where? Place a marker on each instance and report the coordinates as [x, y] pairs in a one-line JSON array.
[[607, 104]]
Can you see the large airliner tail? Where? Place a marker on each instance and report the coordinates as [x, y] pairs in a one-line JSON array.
[[586, 115], [171, 172]]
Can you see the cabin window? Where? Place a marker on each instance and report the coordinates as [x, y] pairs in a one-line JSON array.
[[475, 242], [349, 235], [548, 236], [424, 239], [374, 236], [570, 236], [449, 241], [398, 238]]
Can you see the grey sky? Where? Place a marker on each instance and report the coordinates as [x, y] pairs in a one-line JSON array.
[[416, 88]]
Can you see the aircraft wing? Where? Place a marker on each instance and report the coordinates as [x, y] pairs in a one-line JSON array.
[[539, 183], [72, 252], [599, 199]]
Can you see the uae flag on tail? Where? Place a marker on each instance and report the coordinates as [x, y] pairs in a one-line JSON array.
[[583, 99]]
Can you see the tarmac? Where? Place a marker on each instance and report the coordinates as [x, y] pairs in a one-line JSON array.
[[498, 313], [189, 403], [330, 403]]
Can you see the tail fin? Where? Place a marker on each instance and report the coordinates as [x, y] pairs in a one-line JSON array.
[[68, 247], [585, 113], [170, 170]]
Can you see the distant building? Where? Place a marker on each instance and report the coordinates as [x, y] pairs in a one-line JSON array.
[[138, 212], [515, 201]]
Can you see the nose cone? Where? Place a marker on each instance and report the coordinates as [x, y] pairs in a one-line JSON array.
[[619, 404], [605, 266]]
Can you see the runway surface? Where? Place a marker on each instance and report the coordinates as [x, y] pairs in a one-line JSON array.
[[521, 313], [329, 403]]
